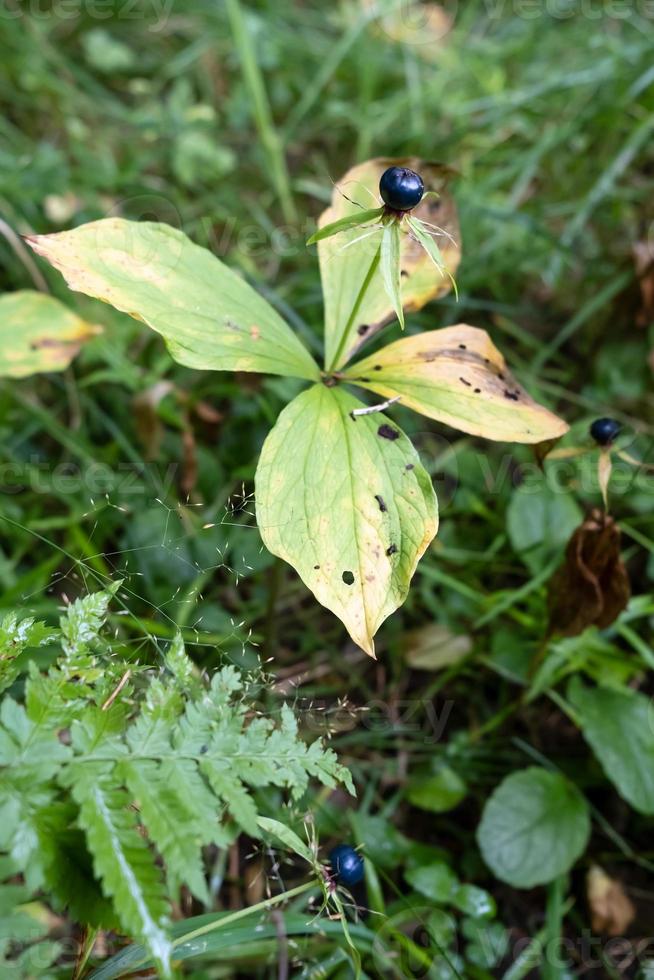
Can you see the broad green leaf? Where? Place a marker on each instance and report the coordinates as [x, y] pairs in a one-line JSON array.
[[456, 375], [347, 503], [436, 881], [475, 902], [534, 827], [38, 333], [349, 322], [619, 727], [208, 315], [390, 267], [355, 220], [439, 792]]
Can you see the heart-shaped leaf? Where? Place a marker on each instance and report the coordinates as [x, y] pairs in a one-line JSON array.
[[345, 500], [534, 827], [456, 375], [38, 333], [208, 315], [353, 316]]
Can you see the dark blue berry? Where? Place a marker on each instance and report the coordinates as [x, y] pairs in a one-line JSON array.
[[346, 864], [401, 189], [604, 431]]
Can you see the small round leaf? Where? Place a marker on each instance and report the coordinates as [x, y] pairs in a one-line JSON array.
[[534, 827]]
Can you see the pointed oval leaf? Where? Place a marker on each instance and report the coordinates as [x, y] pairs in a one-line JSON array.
[[456, 375], [349, 324], [208, 315], [618, 727], [38, 333], [347, 503]]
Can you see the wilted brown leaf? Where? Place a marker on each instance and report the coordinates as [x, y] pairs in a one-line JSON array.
[[612, 911], [592, 586]]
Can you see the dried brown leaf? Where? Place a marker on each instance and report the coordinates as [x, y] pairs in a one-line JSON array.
[[612, 911], [591, 588]]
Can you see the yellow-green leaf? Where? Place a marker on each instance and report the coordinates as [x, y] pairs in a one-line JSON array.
[[456, 375], [348, 323], [208, 315], [38, 333], [347, 503]]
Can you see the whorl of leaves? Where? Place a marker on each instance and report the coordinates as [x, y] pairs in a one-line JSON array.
[[106, 803]]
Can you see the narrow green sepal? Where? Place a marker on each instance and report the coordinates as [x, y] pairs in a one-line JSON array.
[[390, 267], [432, 250], [344, 224]]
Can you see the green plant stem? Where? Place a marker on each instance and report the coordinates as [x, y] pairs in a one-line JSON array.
[[553, 969], [527, 960], [355, 309], [262, 113], [85, 952], [227, 920]]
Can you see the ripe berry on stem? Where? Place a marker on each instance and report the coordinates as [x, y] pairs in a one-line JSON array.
[[346, 864], [604, 431], [401, 189]]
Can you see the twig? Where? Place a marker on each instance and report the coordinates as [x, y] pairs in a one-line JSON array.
[[114, 694], [374, 408], [21, 252]]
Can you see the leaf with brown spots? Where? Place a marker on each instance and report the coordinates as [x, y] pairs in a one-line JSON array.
[[344, 268], [456, 375], [38, 334], [592, 586], [350, 509], [208, 315]]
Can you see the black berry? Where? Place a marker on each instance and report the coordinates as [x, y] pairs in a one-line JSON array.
[[401, 189], [346, 864], [604, 431]]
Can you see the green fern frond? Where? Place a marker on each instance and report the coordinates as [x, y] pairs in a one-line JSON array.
[[122, 859], [112, 781], [16, 636], [170, 822]]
